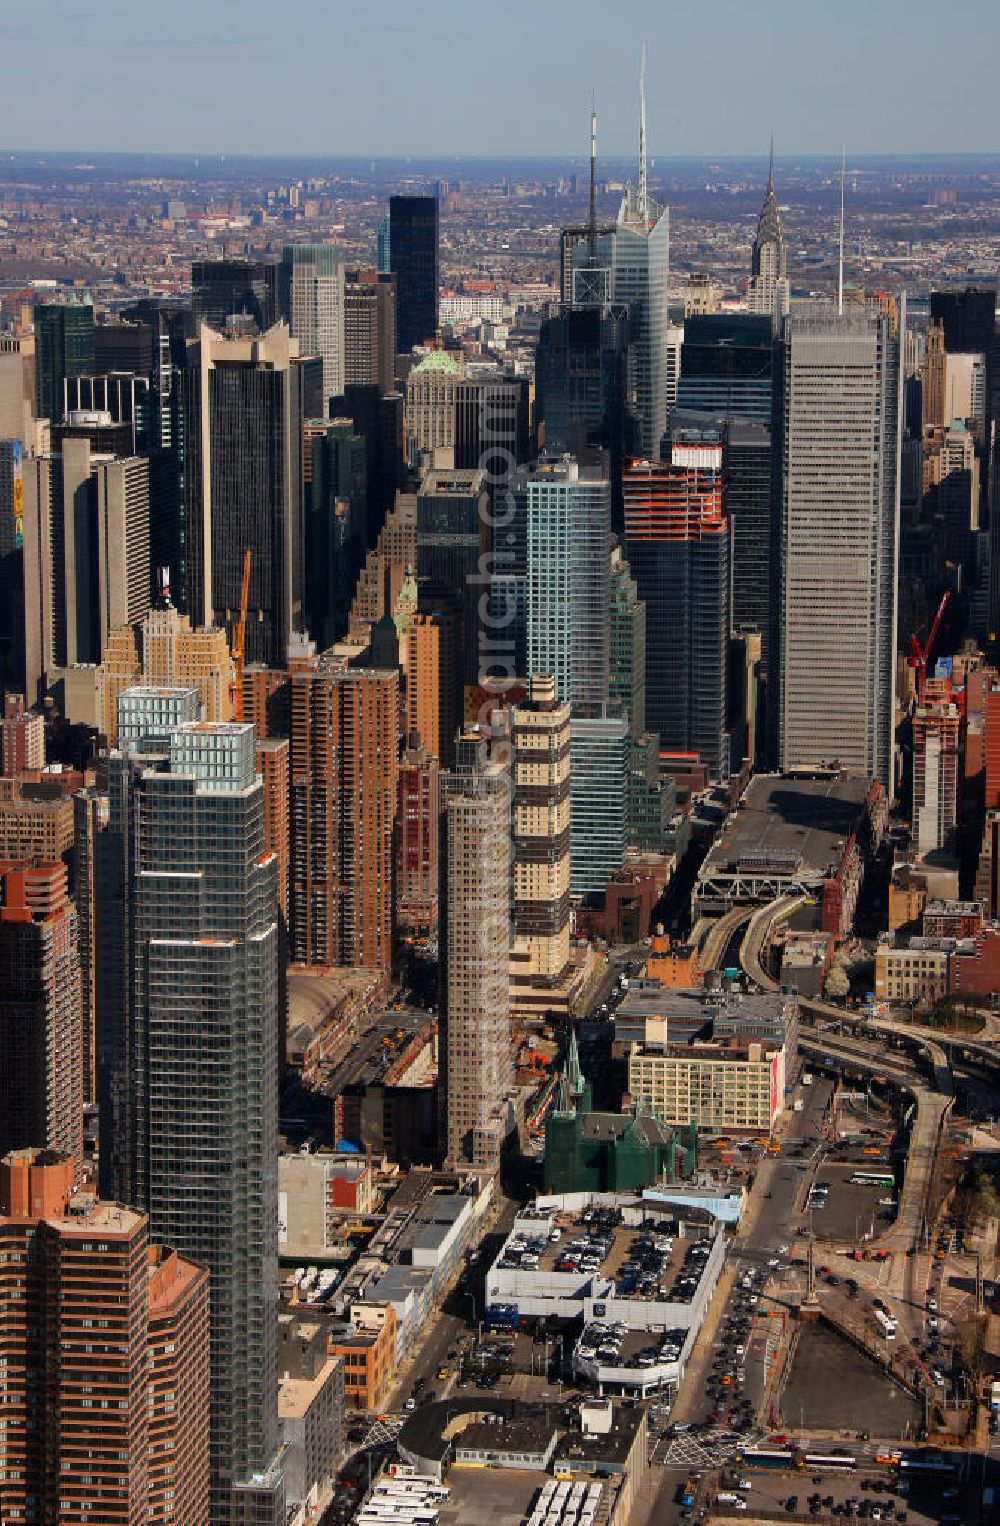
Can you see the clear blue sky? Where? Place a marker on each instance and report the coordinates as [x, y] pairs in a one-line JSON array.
[[509, 77]]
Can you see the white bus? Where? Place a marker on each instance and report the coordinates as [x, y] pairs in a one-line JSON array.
[[886, 1324]]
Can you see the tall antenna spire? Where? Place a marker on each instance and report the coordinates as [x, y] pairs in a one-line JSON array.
[[840, 259], [770, 166], [642, 136], [593, 180]]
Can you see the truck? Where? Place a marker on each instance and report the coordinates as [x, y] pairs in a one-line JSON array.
[[995, 1398], [798, 1105]]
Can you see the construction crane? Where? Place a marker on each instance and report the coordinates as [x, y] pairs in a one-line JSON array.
[[918, 655], [239, 641]]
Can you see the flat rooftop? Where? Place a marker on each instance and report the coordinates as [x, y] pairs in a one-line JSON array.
[[786, 820]]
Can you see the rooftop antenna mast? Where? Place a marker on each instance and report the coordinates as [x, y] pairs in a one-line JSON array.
[[840, 258], [643, 197], [593, 180], [770, 166]]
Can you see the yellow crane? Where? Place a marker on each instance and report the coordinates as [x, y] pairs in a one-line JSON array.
[[239, 641]]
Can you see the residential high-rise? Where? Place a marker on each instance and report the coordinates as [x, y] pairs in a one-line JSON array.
[[475, 1053], [834, 637], [230, 288], [599, 778], [417, 829], [90, 819], [22, 737], [568, 518], [677, 539], [453, 546], [434, 677], [188, 998], [311, 297], [343, 759], [335, 474], [64, 346], [413, 260], [17, 388], [243, 442], [936, 726], [540, 728], [370, 330], [164, 650], [41, 1060], [382, 257], [105, 1358], [768, 291]]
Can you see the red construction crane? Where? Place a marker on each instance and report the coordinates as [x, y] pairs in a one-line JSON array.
[[918, 655], [239, 641]]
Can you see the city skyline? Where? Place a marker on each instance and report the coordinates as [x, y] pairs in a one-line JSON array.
[[100, 73]]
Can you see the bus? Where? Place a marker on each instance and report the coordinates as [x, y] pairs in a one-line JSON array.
[[873, 1179], [500, 1317], [829, 1460], [886, 1324]]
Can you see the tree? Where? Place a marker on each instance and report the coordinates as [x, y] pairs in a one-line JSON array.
[[837, 984]]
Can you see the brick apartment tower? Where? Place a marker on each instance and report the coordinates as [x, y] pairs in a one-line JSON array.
[[22, 737], [344, 749], [476, 1071], [41, 1058], [104, 1345], [417, 841]]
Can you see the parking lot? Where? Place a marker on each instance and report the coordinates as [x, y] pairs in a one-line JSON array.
[[852, 1212], [832, 1384], [867, 1493]]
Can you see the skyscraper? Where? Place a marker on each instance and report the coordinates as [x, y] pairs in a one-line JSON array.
[[768, 291], [434, 676], [370, 330], [835, 615], [727, 365], [188, 1041], [541, 777], [105, 1359], [311, 297], [164, 650], [243, 442], [599, 777], [335, 473], [64, 346], [413, 260], [417, 829], [640, 278], [41, 1059], [627, 646], [568, 517], [476, 1062], [453, 546], [677, 539], [230, 288], [582, 386]]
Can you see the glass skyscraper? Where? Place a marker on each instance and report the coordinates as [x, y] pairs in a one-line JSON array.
[[413, 259], [311, 295], [64, 347], [677, 540], [188, 1042], [568, 524], [599, 750]]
